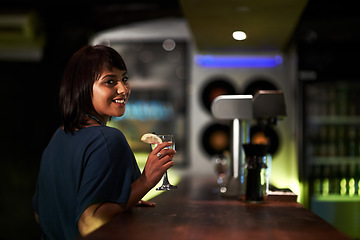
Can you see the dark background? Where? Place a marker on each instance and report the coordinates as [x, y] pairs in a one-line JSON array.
[[29, 90]]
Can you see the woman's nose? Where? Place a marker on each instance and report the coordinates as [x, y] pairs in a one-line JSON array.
[[122, 88]]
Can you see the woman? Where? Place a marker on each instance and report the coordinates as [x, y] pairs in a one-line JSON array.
[[88, 173]]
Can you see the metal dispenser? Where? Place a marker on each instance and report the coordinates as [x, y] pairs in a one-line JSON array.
[[265, 104]]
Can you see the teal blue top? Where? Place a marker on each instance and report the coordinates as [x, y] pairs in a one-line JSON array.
[[93, 165]]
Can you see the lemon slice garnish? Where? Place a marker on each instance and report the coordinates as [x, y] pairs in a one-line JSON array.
[[151, 138]]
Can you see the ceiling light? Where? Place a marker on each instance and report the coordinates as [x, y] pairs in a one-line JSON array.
[[239, 35]]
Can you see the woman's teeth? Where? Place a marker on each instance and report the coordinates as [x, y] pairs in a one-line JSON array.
[[121, 101]]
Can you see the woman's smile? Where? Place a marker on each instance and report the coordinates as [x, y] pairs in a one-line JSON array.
[[121, 101]]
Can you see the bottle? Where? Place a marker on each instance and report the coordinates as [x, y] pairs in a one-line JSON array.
[[341, 142], [357, 179], [357, 142], [316, 180], [326, 180], [315, 147], [334, 187], [332, 144], [352, 151], [351, 179], [343, 180], [323, 142], [255, 166]]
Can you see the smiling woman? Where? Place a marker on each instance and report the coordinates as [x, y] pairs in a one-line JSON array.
[[88, 173], [87, 66]]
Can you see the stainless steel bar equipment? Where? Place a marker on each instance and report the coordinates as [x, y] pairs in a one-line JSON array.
[[240, 109]]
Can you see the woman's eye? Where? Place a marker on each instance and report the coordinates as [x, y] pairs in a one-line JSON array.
[[125, 79], [110, 81]]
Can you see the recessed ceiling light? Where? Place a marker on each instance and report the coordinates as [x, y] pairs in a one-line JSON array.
[[239, 35]]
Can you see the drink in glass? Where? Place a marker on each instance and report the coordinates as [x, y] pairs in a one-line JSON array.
[[166, 185]]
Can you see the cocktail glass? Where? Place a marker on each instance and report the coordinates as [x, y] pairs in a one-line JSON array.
[[166, 185]]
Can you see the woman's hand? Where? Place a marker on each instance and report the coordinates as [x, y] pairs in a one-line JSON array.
[[158, 162], [143, 203]]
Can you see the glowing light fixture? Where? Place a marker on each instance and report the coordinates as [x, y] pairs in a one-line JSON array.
[[239, 35], [232, 61]]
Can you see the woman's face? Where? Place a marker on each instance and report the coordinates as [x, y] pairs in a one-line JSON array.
[[110, 94]]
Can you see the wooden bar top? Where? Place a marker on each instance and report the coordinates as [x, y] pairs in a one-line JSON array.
[[195, 211]]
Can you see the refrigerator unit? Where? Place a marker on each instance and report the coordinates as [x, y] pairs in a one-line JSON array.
[[330, 150]]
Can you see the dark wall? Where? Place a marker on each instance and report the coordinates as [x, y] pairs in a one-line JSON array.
[[29, 116]]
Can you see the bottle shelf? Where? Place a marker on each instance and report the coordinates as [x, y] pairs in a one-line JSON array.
[[335, 198], [336, 160], [334, 120]]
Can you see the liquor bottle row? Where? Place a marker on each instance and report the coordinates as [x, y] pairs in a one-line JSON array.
[[336, 141], [337, 100], [336, 179]]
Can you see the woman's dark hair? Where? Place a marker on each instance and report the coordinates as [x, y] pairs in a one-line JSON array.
[[83, 69]]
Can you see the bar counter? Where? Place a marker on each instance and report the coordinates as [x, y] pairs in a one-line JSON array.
[[195, 211]]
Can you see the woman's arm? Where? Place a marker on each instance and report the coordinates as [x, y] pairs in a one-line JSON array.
[[96, 215]]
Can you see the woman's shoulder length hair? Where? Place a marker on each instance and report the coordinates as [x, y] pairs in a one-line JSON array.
[[76, 90]]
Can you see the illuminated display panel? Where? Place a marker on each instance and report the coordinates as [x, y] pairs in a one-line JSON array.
[[214, 61]]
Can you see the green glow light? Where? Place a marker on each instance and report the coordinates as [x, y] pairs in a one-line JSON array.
[[325, 187], [351, 187], [343, 187], [284, 169]]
